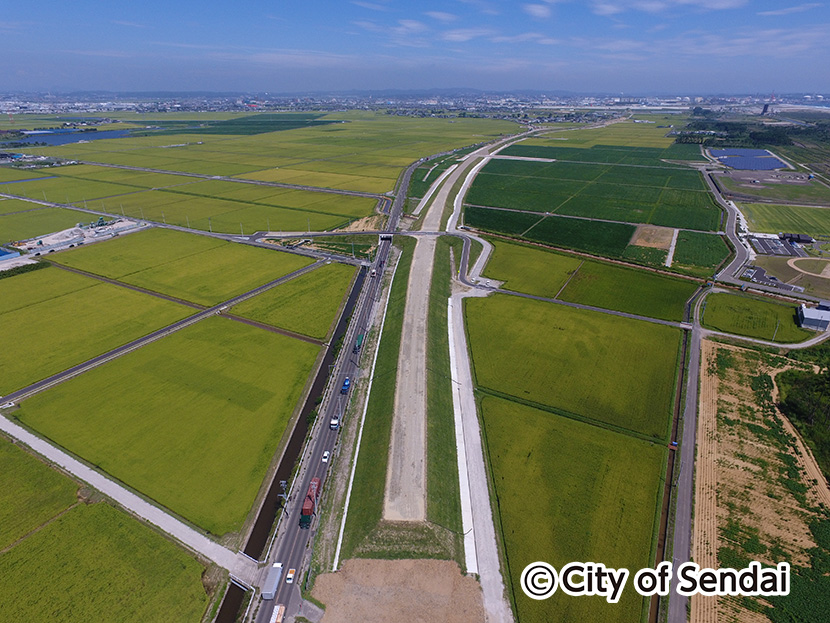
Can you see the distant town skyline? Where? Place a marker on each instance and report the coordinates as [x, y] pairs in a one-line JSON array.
[[628, 46]]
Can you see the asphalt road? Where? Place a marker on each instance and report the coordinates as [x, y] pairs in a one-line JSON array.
[[291, 544]]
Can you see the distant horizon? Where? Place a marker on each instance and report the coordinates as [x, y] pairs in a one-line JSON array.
[[587, 47], [382, 92]]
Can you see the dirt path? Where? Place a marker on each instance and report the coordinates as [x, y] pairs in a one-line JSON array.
[[380, 591], [825, 272], [405, 498], [705, 535]]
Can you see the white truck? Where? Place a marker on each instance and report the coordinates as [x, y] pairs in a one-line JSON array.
[[272, 581]]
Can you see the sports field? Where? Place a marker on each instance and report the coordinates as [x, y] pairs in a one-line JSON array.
[[753, 317], [533, 270], [307, 304], [192, 420], [24, 225], [95, 563], [195, 268], [575, 361], [568, 491], [51, 320], [771, 218], [810, 191]]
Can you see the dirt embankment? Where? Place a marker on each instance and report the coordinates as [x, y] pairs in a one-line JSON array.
[[380, 591]]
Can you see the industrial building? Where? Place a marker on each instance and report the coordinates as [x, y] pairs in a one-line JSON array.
[[816, 318], [799, 238]]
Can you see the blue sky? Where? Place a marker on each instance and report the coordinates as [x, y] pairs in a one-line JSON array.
[[629, 46]]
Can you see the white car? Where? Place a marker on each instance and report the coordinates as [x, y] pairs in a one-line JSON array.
[[7, 405], [326, 456], [289, 579]]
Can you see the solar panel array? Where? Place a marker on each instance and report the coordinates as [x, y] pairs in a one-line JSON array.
[[719, 153], [748, 159]]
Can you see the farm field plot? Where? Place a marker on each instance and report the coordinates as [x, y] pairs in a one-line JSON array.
[[544, 273], [195, 268], [61, 189], [572, 151], [635, 194], [8, 174], [8, 206], [575, 361], [629, 290], [32, 223], [625, 134], [246, 194], [698, 253], [127, 177], [215, 214], [596, 237], [530, 270], [810, 191], [192, 420], [100, 564], [743, 315], [31, 494], [359, 151], [305, 305], [571, 491], [599, 238], [81, 318], [770, 218]]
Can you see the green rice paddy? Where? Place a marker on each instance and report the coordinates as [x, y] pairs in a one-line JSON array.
[[191, 421], [575, 361]]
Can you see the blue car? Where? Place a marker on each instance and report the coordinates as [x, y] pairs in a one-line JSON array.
[[346, 384]]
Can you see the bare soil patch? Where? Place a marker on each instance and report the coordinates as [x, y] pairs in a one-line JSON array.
[[652, 236], [375, 222], [399, 590]]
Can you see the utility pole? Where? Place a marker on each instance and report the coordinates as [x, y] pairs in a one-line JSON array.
[[187, 218]]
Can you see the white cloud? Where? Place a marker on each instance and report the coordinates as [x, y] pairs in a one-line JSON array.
[[539, 11], [793, 9], [527, 36], [465, 34], [441, 16], [614, 7], [370, 5], [130, 24]]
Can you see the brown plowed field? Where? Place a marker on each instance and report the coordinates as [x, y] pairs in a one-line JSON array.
[[705, 536], [415, 591], [740, 496]]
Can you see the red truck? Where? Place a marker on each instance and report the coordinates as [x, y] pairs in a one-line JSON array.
[[310, 503]]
